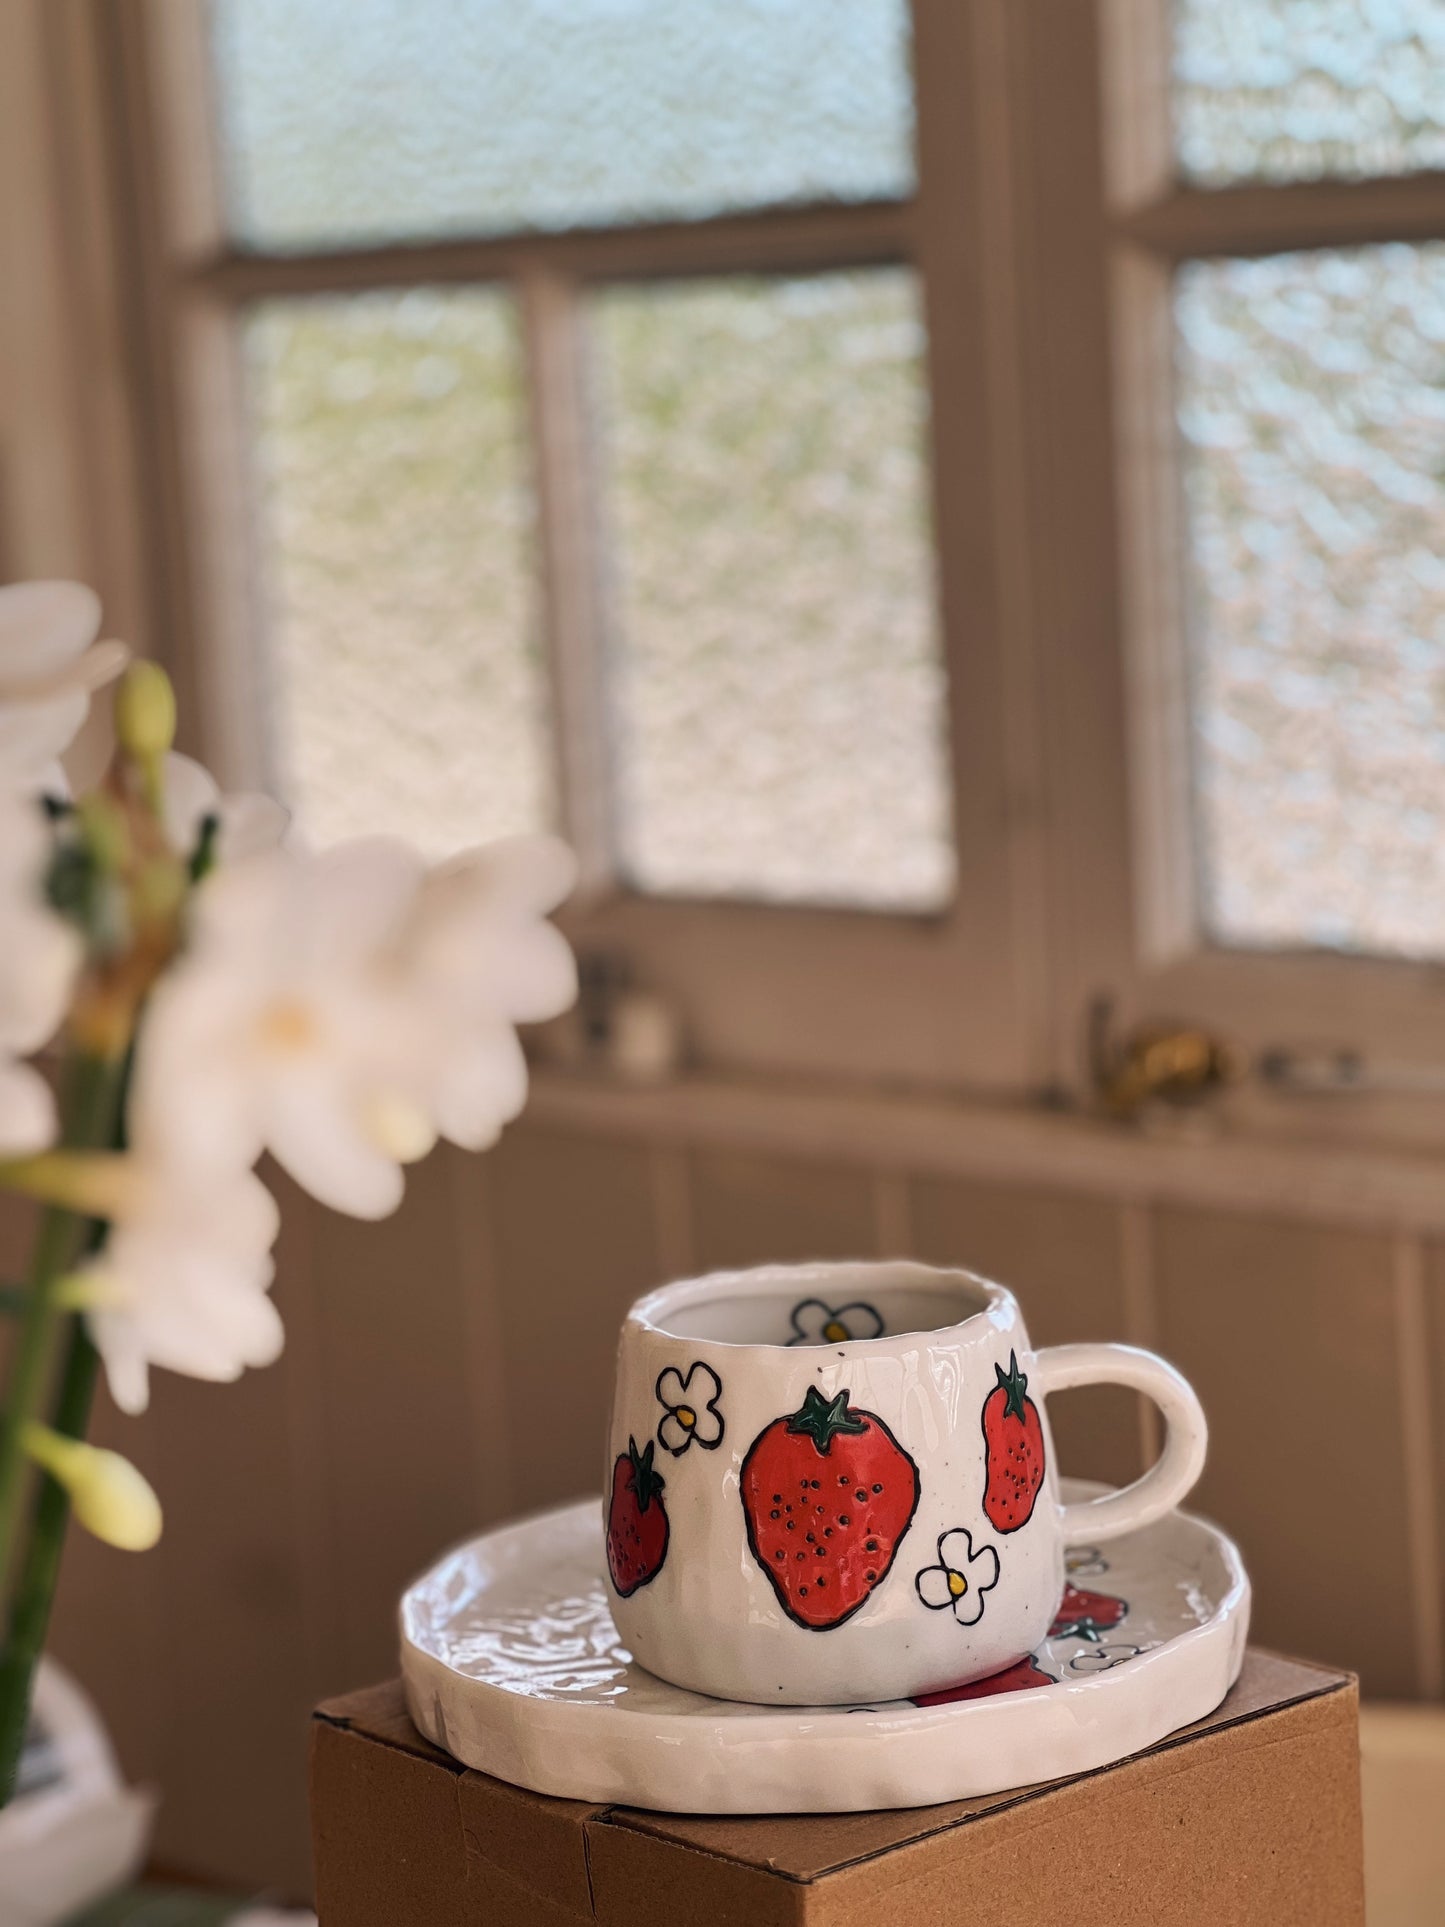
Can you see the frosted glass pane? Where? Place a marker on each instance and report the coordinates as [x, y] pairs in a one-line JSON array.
[[779, 695], [348, 121], [1313, 417], [396, 520], [1281, 90]]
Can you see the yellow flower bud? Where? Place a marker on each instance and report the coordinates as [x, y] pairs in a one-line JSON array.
[[399, 1128], [110, 1498], [98, 1184], [145, 711]]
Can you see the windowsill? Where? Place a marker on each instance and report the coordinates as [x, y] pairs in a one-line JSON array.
[[1200, 1161]]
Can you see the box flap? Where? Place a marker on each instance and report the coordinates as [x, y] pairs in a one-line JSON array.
[[808, 1847], [401, 1824]]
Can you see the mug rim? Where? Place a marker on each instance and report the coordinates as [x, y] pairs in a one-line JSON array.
[[757, 1281]]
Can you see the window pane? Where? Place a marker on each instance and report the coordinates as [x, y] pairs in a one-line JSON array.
[[350, 121], [396, 517], [1282, 90], [1313, 416], [779, 697]]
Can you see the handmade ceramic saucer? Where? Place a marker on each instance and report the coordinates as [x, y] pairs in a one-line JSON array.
[[513, 1665]]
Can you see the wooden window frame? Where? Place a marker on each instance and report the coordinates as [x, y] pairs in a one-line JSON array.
[[1047, 222], [1391, 1009], [954, 998]]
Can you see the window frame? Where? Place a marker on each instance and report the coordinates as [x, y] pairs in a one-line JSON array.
[[1044, 269], [957, 986], [1391, 1009]]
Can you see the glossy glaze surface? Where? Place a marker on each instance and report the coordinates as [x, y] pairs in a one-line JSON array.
[[513, 1663], [833, 1483]]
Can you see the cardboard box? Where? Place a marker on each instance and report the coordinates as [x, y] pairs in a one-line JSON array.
[[1250, 1817]]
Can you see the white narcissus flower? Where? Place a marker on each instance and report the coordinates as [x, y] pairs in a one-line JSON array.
[[482, 958], [284, 1026], [344, 1008], [247, 823], [50, 663], [183, 1280], [40, 955]]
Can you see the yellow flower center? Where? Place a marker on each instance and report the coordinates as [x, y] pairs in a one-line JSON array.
[[836, 1332], [686, 1416], [957, 1584], [288, 1025]]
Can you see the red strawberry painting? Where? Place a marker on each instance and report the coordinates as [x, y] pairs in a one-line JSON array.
[[1014, 1436], [1087, 1615], [636, 1521], [1023, 1673], [828, 1494]]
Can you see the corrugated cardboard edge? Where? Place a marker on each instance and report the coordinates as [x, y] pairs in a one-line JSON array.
[[570, 1861]]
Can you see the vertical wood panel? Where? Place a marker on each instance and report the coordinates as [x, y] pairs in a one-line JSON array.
[[575, 1244], [397, 1409], [1287, 1333], [230, 1603], [1434, 1288], [1064, 1257], [751, 1210]]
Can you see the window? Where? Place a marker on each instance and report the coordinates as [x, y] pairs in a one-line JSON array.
[[580, 382], [1280, 278], [941, 503]]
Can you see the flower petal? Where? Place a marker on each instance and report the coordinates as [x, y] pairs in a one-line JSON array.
[[27, 1111], [983, 1572], [481, 1087], [955, 1549], [44, 628], [808, 1320], [862, 1321], [674, 1434], [968, 1607], [671, 1387], [709, 1428], [701, 1386], [311, 1132], [933, 1587]]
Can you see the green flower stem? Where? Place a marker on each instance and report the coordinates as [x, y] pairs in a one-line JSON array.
[[91, 1115], [35, 1587]]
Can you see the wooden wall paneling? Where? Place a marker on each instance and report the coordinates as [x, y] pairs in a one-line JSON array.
[[1433, 1287], [575, 1242], [1288, 1333], [107, 1626], [1417, 1403], [750, 1209], [246, 1594], [231, 1604], [1065, 1257], [397, 1409]]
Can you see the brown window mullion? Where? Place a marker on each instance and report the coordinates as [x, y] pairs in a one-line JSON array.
[[571, 586]]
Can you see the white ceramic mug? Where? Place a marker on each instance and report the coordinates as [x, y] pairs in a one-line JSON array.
[[834, 1483]]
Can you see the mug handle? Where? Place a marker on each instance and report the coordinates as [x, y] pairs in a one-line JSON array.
[[1166, 1483]]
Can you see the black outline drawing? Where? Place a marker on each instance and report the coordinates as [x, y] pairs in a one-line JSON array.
[[834, 1315], [649, 1485], [1015, 1385], [1083, 1626], [837, 1415], [691, 1435], [1084, 1562], [941, 1565], [1103, 1659]]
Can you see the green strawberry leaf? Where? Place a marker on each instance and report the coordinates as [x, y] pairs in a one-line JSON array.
[[1015, 1384], [646, 1482], [822, 1419]]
